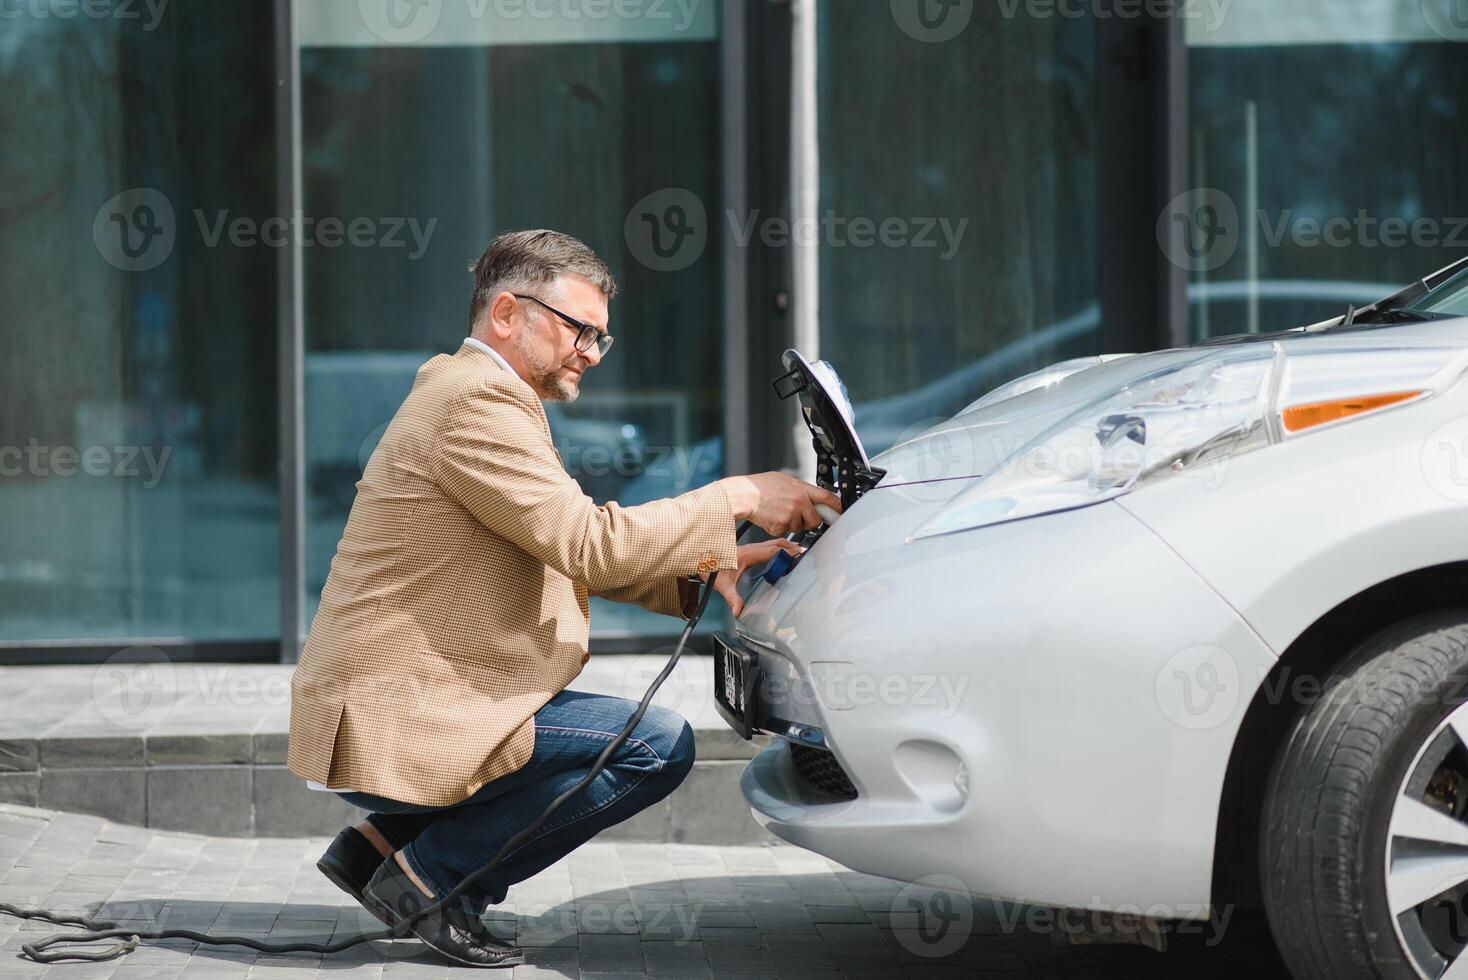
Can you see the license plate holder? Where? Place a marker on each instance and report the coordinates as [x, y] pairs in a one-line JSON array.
[[736, 686]]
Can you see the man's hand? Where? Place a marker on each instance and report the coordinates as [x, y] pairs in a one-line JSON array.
[[749, 556], [778, 502]]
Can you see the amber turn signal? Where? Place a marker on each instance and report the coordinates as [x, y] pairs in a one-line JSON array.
[[1298, 417]]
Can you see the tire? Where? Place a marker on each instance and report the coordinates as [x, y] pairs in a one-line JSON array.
[[1357, 762]]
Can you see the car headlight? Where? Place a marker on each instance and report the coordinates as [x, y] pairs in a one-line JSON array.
[[1181, 418]]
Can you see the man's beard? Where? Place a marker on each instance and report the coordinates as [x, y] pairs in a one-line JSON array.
[[543, 377]]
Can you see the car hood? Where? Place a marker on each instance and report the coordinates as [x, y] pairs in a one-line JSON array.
[[976, 440]]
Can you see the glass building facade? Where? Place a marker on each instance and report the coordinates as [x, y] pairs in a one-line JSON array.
[[230, 233]]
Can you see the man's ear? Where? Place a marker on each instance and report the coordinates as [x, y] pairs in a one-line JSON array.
[[501, 315]]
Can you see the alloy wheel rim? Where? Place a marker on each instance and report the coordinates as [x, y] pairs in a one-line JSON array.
[[1426, 854]]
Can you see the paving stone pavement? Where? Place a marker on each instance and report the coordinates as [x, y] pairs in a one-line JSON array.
[[611, 911]]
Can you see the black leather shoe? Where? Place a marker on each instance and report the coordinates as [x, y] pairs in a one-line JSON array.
[[349, 863], [396, 899]]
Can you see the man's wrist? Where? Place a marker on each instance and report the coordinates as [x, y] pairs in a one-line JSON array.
[[743, 496]]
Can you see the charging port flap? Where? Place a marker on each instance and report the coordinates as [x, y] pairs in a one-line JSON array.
[[842, 465]]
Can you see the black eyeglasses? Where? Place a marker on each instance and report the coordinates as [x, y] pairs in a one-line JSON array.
[[586, 334]]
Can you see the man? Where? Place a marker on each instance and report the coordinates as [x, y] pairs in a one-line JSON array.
[[431, 691]]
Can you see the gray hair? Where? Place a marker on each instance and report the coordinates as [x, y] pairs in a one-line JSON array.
[[521, 261]]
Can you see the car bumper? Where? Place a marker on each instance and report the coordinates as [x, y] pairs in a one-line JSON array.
[[1044, 709]]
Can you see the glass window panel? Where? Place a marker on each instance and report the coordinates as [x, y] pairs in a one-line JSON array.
[[1332, 134], [569, 127], [976, 141], [138, 417]]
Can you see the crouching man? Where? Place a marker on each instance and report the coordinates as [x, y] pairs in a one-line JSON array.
[[431, 691]]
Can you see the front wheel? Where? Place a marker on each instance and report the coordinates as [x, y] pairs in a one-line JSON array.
[[1364, 836]]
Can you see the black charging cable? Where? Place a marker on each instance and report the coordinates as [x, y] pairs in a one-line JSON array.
[[41, 952]]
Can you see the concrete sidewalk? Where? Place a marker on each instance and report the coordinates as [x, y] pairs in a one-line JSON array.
[[201, 748], [608, 912]]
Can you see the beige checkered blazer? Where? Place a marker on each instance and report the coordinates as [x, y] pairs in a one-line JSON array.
[[456, 605]]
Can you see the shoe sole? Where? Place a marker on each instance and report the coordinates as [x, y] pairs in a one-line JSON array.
[[335, 876], [516, 958]]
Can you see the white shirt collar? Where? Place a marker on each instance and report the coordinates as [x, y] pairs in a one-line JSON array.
[[481, 345]]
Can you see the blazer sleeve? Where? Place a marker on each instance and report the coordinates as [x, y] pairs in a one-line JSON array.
[[494, 456], [668, 596]]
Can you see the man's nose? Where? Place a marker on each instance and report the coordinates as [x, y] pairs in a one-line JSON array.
[[593, 355]]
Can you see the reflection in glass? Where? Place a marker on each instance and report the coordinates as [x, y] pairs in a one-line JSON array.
[[957, 208], [462, 143], [138, 453], [1346, 180]]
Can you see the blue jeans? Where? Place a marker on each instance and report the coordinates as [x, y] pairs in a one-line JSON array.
[[443, 845]]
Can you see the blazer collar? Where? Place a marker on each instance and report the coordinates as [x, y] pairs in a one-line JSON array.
[[478, 346]]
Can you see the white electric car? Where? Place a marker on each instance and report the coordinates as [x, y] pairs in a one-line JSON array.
[[1159, 633]]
